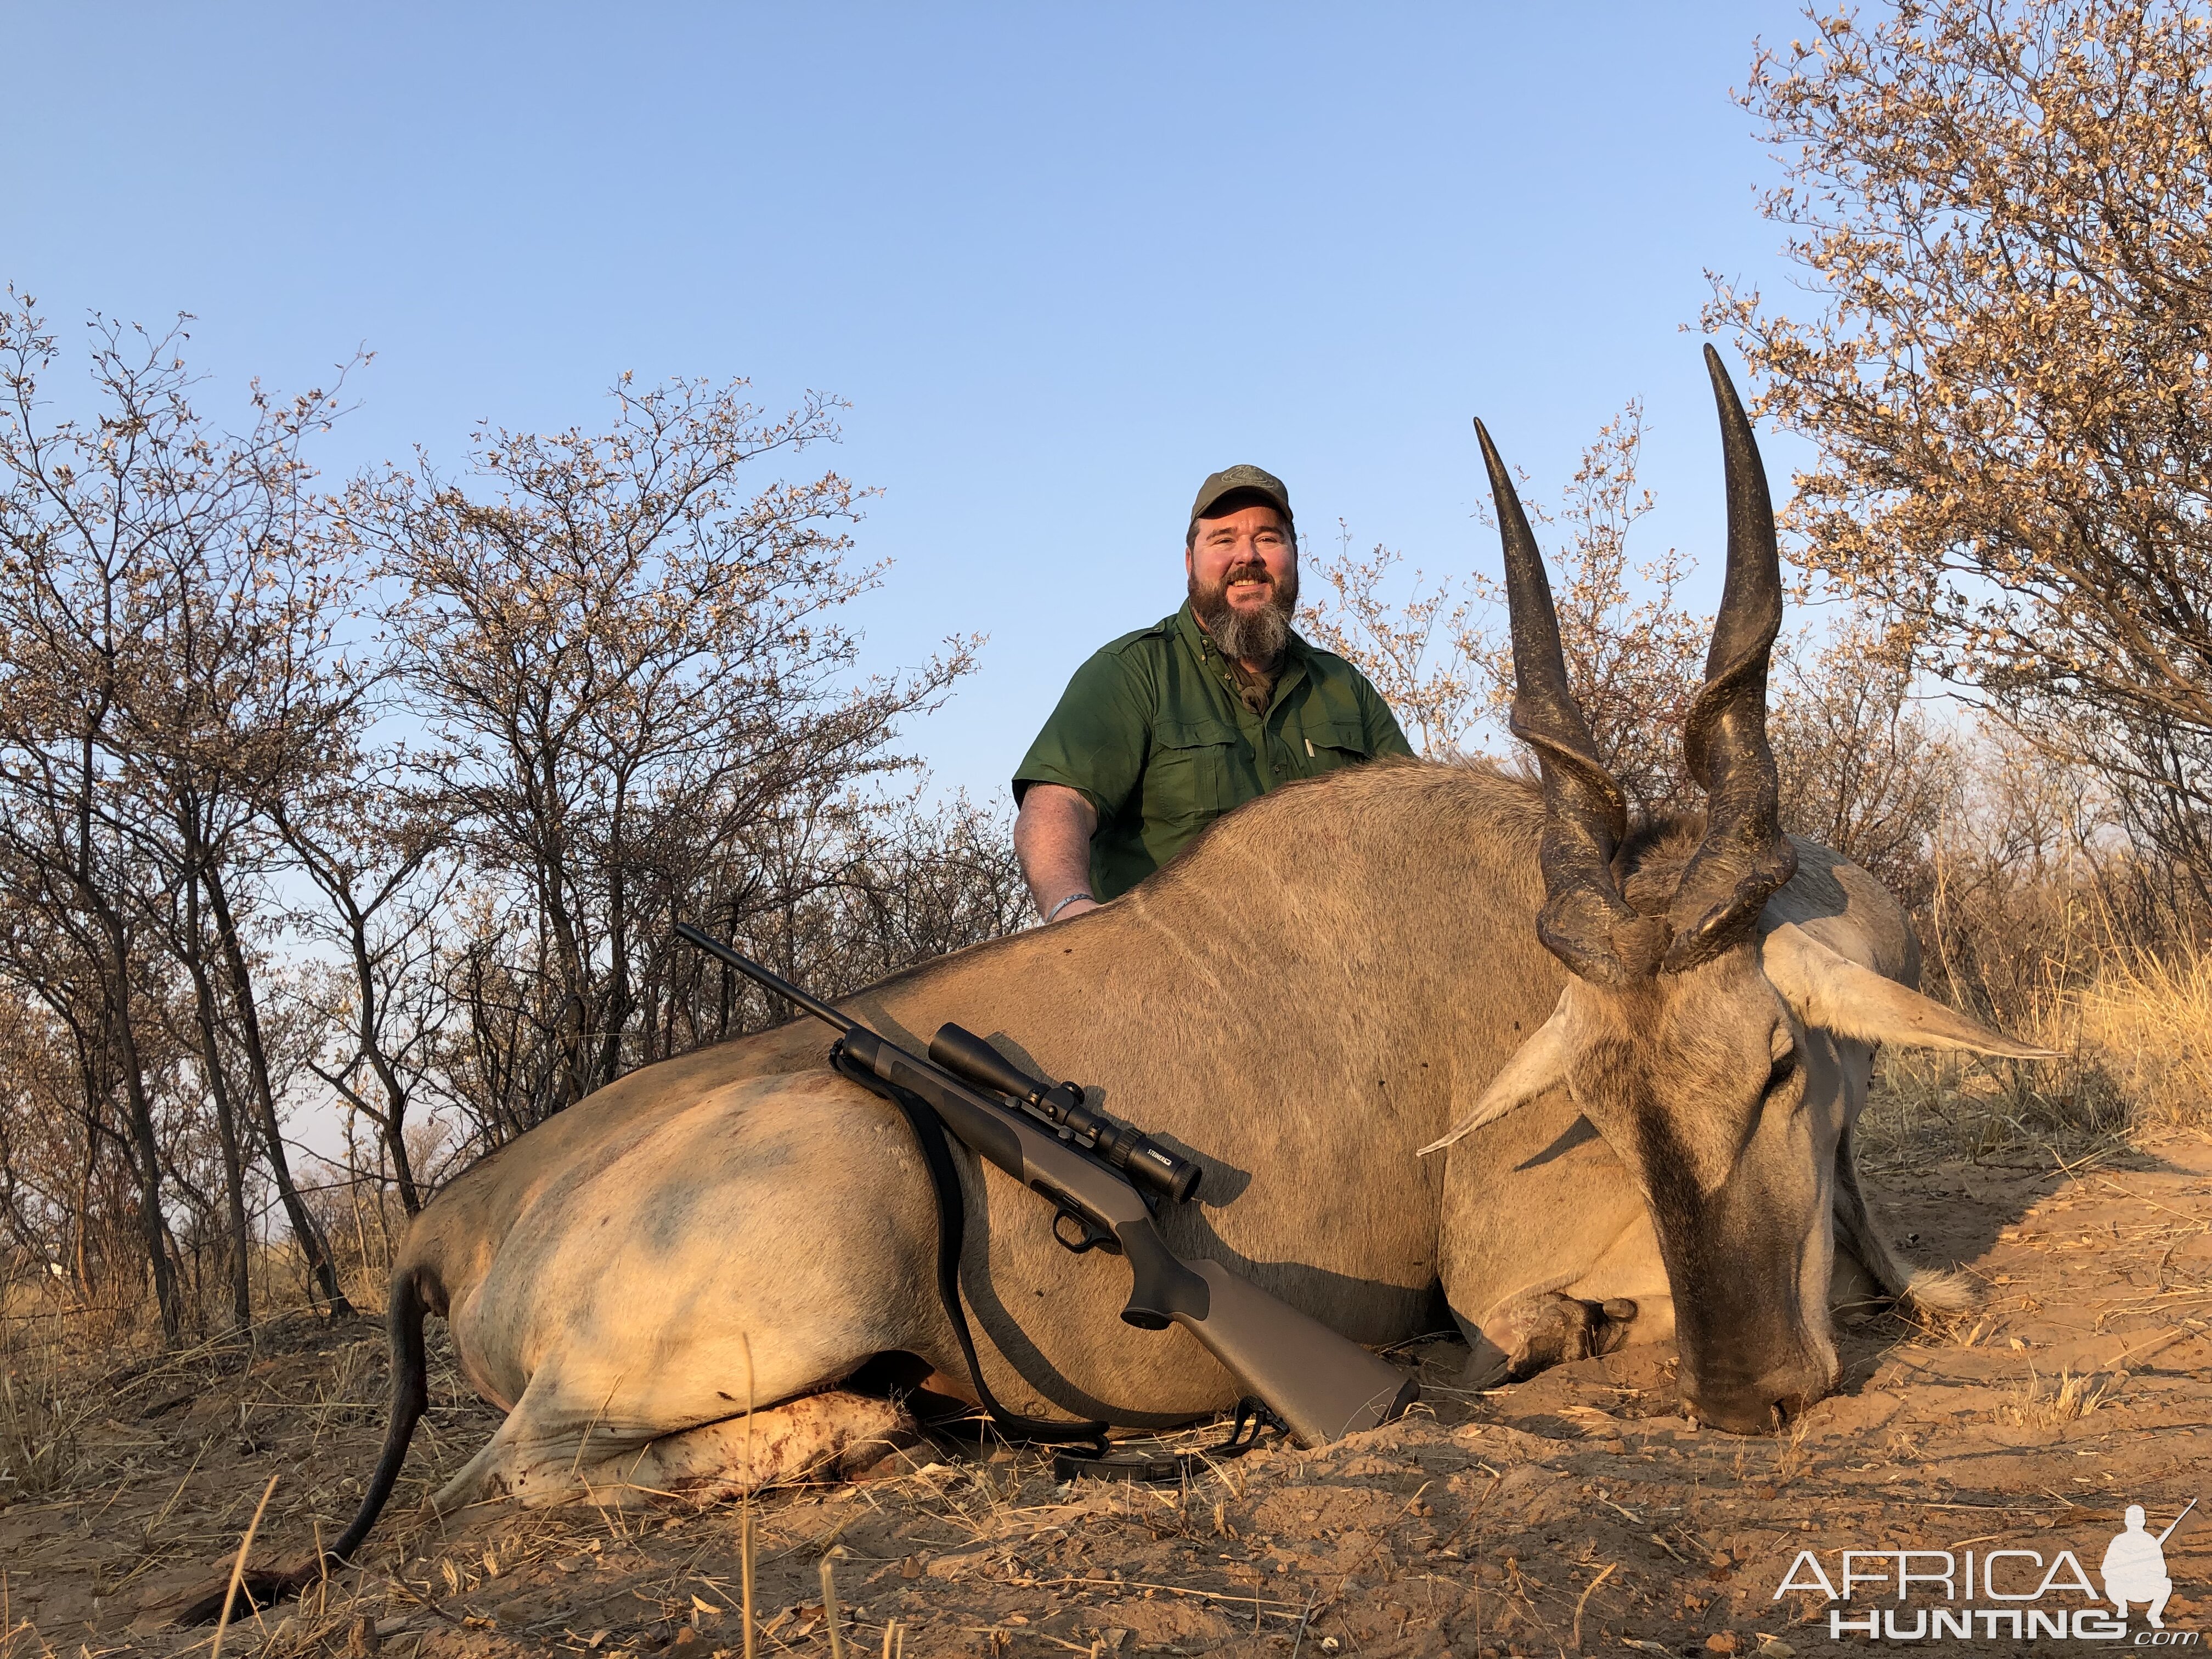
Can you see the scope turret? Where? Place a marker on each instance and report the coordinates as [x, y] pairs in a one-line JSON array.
[[1137, 1155]]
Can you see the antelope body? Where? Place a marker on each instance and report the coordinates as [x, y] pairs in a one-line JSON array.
[[1642, 1106]]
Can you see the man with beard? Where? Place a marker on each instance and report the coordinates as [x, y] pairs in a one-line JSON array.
[[1164, 730]]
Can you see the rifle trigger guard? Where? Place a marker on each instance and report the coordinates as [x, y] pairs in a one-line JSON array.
[[1254, 1418], [1087, 1237]]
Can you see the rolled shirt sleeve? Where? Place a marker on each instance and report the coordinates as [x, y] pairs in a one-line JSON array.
[[1095, 738]]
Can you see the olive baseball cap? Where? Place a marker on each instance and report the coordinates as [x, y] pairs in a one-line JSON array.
[[1231, 480]]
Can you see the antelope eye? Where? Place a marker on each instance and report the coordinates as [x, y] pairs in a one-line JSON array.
[[1784, 1070]]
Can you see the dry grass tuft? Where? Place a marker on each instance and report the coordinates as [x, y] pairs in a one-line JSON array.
[[2148, 1019], [2046, 1402], [39, 1423], [2136, 1034]]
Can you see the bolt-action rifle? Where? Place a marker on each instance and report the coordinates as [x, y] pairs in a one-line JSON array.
[[1091, 1167]]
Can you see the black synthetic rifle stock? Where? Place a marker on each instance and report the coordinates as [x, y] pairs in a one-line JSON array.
[[1319, 1384]]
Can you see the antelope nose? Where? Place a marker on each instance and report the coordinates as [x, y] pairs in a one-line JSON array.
[[1765, 1405]]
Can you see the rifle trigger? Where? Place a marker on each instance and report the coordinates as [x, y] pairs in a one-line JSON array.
[[1087, 1237]]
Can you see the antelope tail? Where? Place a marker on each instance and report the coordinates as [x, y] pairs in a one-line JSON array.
[[410, 1393]]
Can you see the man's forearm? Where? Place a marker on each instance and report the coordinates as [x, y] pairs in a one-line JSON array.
[[1052, 839]]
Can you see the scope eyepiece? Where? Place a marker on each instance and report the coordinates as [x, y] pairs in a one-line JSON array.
[[1148, 1164]]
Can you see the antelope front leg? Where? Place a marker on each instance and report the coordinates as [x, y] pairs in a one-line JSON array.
[[1532, 1333]]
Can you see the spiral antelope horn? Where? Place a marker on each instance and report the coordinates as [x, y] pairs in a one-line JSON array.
[[1744, 856], [1585, 920]]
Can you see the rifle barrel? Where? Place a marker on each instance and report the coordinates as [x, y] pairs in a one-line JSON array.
[[760, 976], [2177, 1521]]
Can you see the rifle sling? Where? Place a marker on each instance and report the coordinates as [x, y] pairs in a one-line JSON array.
[[951, 1233], [1252, 1418]]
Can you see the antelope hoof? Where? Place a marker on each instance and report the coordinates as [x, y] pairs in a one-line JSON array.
[[1556, 1329]]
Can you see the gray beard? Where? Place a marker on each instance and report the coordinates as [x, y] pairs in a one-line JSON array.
[[1247, 635]]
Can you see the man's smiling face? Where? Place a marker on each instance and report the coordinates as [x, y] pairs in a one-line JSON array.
[[1242, 562]]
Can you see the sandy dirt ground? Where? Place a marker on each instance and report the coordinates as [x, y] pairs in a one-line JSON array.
[[1576, 1512]]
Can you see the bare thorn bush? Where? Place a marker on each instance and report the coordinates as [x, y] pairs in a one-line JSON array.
[[378, 805]]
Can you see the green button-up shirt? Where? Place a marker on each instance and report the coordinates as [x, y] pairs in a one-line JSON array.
[[1152, 732]]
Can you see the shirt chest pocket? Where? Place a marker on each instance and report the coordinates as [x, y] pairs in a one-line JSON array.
[[1191, 777], [1331, 743]]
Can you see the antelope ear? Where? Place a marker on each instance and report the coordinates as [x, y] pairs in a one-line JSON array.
[[1825, 987], [1539, 1064]]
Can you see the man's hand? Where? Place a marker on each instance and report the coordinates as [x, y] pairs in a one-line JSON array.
[[1052, 838]]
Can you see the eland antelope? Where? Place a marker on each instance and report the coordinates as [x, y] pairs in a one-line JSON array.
[[1639, 1111]]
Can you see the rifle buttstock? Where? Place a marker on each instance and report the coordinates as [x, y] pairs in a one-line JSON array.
[[1323, 1384]]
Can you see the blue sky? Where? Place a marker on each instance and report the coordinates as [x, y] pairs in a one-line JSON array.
[[1062, 261]]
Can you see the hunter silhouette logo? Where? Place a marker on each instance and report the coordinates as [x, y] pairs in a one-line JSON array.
[[2135, 1566]]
